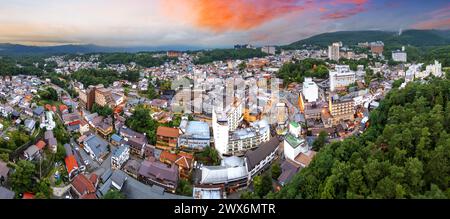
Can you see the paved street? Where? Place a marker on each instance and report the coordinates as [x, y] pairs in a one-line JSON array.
[[133, 189]]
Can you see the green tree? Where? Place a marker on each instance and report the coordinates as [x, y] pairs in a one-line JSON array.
[[21, 180], [184, 187], [43, 190], [262, 185], [320, 141], [275, 170], [114, 194]]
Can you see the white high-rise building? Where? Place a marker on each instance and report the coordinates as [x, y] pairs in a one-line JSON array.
[[225, 121], [333, 51], [310, 90], [341, 77], [399, 56], [435, 69]]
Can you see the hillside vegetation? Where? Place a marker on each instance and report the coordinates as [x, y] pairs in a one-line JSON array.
[[405, 153]]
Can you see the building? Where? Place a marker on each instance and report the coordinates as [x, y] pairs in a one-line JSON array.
[[84, 188], [118, 179], [399, 56], [341, 109], [208, 192], [120, 156], [269, 50], [231, 174], [341, 77], [29, 125], [435, 69], [310, 90], [288, 171], [167, 138], [96, 147], [173, 54], [137, 141], [51, 141], [244, 139], [184, 161], [377, 47], [71, 166], [87, 97], [103, 97], [333, 51], [156, 173], [261, 157], [298, 151], [293, 146], [295, 128], [195, 135]]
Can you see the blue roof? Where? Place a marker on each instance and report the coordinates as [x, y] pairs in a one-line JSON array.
[[97, 145], [118, 151], [116, 138], [198, 129], [38, 110]]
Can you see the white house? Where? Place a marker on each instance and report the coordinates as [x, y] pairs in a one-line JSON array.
[[120, 156]]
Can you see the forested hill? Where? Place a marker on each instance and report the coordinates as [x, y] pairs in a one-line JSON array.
[[418, 38], [405, 153]]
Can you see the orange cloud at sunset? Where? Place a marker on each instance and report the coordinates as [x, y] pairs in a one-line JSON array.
[[220, 16]]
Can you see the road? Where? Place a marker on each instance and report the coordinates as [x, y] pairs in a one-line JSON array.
[[133, 189]]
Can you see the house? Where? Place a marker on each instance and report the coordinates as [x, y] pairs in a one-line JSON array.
[[30, 125], [116, 140], [297, 150], [63, 109], [167, 138], [261, 157], [104, 127], [51, 140], [38, 111], [288, 171], [156, 173], [83, 188], [96, 147], [118, 179], [71, 118], [184, 161], [4, 173], [135, 140], [41, 144], [71, 166], [32, 153], [120, 156], [106, 175], [84, 127], [132, 168], [6, 193]]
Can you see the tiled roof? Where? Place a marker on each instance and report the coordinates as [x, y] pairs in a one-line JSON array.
[[82, 184], [40, 144], [71, 163], [265, 149], [167, 132]]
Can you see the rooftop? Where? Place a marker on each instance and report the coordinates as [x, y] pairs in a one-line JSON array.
[[293, 141]]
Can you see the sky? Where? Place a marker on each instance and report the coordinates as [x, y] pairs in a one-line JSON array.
[[206, 23]]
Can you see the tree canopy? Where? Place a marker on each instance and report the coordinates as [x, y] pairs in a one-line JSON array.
[[405, 153]]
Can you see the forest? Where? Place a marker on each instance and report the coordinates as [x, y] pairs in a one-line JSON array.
[[225, 54], [405, 153], [297, 71]]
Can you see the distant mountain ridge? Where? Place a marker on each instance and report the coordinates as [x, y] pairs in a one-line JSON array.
[[17, 49], [418, 38]]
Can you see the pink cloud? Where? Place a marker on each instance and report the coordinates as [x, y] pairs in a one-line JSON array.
[[437, 19]]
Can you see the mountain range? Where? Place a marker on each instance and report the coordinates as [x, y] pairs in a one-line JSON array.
[[417, 38]]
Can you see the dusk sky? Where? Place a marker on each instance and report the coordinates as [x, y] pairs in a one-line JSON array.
[[206, 23]]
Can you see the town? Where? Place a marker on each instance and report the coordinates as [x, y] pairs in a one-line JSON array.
[[183, 130]]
